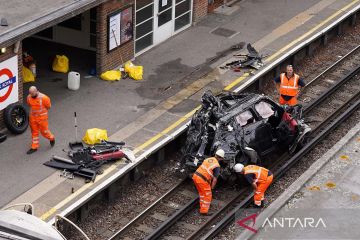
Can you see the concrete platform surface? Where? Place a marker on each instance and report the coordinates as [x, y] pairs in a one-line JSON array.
[[324, 203], [144, 112]]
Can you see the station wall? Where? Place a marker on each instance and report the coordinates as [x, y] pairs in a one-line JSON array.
[[109, 60], [105, 59]]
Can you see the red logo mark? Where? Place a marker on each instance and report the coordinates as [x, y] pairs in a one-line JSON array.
[[251, 217], [8, 73]]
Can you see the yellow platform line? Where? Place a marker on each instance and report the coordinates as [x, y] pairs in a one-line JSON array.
[[65, 201], [166, 131], [237, 81], [322, 23], [54, 209]]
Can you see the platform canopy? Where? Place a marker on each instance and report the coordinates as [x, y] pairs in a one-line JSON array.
[[26, 18]]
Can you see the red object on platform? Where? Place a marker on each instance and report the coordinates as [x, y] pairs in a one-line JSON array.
[[109, 156]]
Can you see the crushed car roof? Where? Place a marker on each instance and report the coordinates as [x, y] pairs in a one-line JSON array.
[[244, 102]]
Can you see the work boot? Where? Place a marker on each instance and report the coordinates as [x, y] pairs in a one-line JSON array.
[[52, 142], [253, 205], [31, 150], [207, 214]]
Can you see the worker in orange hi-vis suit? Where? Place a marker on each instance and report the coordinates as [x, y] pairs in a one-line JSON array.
[[205, 179], [289, 84], [39, 105], [260, 179]]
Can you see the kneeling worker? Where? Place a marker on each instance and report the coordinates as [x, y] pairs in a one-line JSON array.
[[260, 178], [205, 179]]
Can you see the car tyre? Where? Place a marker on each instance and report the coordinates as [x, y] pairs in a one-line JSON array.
[[16, 118], [305, 141], [2, 137]]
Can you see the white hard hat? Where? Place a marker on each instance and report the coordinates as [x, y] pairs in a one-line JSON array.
[[220, 153], [238, 167]]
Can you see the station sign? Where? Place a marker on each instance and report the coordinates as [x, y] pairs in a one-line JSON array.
[[9, 88]]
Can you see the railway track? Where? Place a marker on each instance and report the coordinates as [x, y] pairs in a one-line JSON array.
[[280, 171], [332, 96]]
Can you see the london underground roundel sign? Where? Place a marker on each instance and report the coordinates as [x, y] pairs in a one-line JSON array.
[[8, 82]]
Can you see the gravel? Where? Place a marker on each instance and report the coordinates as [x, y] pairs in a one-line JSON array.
[[278, 187], [106, 218], [134, 198], [308, 69]]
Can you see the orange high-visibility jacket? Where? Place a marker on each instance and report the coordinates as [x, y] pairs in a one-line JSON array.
[[39, 106], [289, 87], [261, 173], [207, 167]]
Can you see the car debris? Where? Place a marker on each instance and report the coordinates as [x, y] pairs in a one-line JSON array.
[[87, 161], [252, 59], [250, 128], [66, 174]]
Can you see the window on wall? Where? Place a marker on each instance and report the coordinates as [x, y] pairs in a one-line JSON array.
[[144, 28], [182, 13], [165, 17], [144, 24], [93, 27], [142, 3], [144, 42], [165, 11], [72, 23]]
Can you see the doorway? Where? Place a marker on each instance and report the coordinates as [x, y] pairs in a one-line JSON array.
[[158, 20], [164, 26]]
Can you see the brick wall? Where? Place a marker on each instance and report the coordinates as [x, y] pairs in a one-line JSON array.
[[200, 9], [10, 53], [109, 60]]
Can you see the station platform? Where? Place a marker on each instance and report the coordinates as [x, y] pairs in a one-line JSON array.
[[145, 113], [323, 203]]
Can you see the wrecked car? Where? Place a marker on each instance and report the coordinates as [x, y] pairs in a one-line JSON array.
[[250, 128]]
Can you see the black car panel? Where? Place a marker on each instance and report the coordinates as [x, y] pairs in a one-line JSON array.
[[244, 126]]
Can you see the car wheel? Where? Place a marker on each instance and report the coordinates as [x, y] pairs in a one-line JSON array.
[[2, 137], [16, 118], [305, 141]]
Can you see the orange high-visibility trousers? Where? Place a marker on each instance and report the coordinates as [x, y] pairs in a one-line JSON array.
[[261, 189], [205, 194], [42, 126], [291, 102]]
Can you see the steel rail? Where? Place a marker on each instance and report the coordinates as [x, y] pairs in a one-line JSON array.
[[143, 213], [304, 43], [323, 31], [293, 51], [173, 219], [283, 169], [333, 65], [337, 112], [181, 212], [321, 126], [195, 234], [331, 90]]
